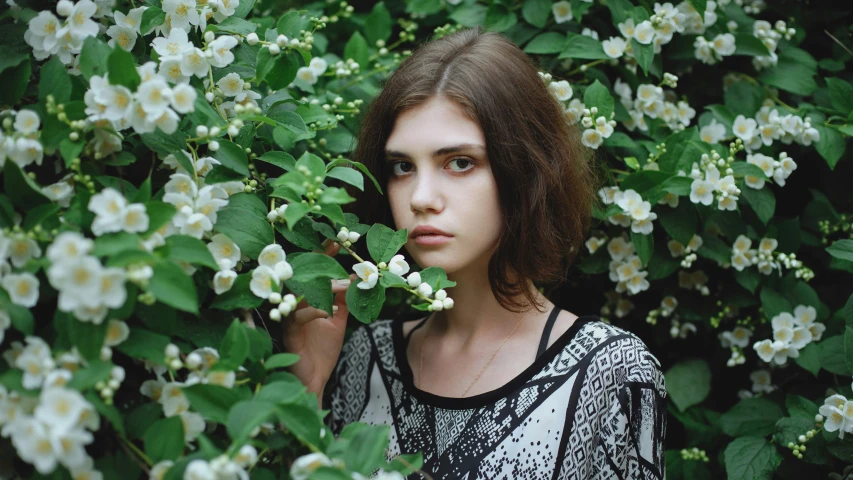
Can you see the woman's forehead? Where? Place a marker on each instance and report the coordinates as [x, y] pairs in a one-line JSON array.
[[434, 124]]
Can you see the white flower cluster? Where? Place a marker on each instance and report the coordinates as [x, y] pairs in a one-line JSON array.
[[616, 303], [770, 37], [560, 89], [348, 238], [838, 412], [667, 307], [86, 288], [154, 105], [369, 273], [736, 339], [286, 305], [596, 130], [64, 39], [272, 269], [197, 207], [304, 466], [185, 14], [790, 334], [678, 250], [243, 99], [750, 7], [219, 468], [696, 280], [114, 214], [653, 101], [226, 253], [744, 256], [317, 67], [768, 126], [707, 186], [23, 287], [626, 267], [636, 212], [694, 23], [723, 45], [779, 170], [21, 145], [681, 330], [125, 31]]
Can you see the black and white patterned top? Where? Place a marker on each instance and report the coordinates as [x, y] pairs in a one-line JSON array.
[[592, 406]]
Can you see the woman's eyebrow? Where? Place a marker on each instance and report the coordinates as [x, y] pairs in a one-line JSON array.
[[440, 152]]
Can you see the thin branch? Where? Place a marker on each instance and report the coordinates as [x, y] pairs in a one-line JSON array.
[[839, 42]]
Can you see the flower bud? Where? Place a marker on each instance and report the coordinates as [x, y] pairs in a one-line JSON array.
[[172, 351], [275, 315], [425, 289], [440, 295], [343, 236], [113, 384], [209, 97], [448, 303], [274, 298], [233, 131], [201, 130], [353, 236], [284, 308], [175, 364], [73, 136], [281, 41], [274, 49], [64, 8], [414, 279], [213, 146], [117, 373], [252, 38], [290, 300], [209, 37], [194, 361]]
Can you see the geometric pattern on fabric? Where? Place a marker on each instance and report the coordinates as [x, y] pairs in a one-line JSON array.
[[593, 406]]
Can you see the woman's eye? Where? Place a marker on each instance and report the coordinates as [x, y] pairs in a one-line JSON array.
[[465, 164], [396, 171]]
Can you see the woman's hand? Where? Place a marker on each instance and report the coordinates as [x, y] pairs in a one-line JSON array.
[[317, 338]]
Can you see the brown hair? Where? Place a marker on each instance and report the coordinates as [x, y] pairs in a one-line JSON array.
[[545, 182]]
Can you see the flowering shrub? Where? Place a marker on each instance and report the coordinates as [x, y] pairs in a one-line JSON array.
[[170, 171]]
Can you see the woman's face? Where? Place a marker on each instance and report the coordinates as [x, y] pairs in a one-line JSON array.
[[439, 176]]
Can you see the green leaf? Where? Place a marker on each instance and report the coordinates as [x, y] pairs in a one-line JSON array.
[[144, 345], [279, 70], [15, 81], [151, 17], [285, 389], [597, 95], [699, 5], [644, 246], [94, 57], [54, 80], [172, 286], [335, 195], [645, 54], [791, 77], [774, 302], [744, 98], [282, 160], [365, 305], [499, 18], [86, 378], [235, 344], [291, 23], [688, 382], [245, 416], [348, 175], [244, 221], [383, 243], [436, 277], [191, 250], [211, 401], [308, 266], [244, 8], [842, 249], [546, 43], [751, 416], [358, 50], [751, 458], [281, 360], [762, 201], [583, 47], [232, 157], [750, 45], [536, 12], [159, 213], [831, 145], [366, 451], [122, 68], [801, 407], [165, 439], [141, 418], [314, 164], [809, 358], [679, 222], [469, 15], [832, 355], [302, 422], [20, 188], [378, 24], [788, 429], [234, 25], [841, 93], [240, 296]]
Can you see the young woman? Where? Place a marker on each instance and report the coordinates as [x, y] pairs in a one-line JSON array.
[[479, 165]]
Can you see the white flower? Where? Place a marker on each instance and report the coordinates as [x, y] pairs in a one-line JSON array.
[[644, 32], [222, 247], [112, 291], [181, 13], [307, 75], [27, 122], [592, 138], [135, 219], [196, 224], [173, 400], [604, 127], [223, 378], [627, 28], [804, 315], [562, 90], [154, 97], [761, 381], [60, 192], [614, 47], [619, 249], [319, 65], [183, 98], [68, 245], [368, 273], [193, 62], [23, 288], [193, 425], [765, 350], [744, 128], [834, 419], [221, 48], [60, 408], [223, 281], [80, 23], [231, 84], [304, 466], [174, 46], [224, 9], [27, 151], [414, 279], [37, 447], [180, 183], [263, 282], [724, 44], [247, 456], [271, 255], [200, 470], [117, 332], [21, 249], [158, 471], [398, 265], [702, 191], [645, 225], [562, 11], [283, 271], [638, 283], [42, 33]]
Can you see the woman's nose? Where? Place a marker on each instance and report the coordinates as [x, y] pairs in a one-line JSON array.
[[426, 194]]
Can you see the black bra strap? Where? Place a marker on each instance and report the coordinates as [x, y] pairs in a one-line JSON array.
[[546, 334], [419, 325]]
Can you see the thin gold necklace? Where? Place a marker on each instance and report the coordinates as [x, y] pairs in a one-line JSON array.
[[423, 341]]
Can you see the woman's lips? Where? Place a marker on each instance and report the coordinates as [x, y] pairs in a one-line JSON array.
[[432, 239]]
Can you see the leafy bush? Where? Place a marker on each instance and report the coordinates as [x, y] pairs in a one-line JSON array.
[[156, 158]]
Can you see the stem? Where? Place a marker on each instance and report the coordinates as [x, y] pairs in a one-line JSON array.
[[350, 251], [260, 455], [586, 66], [138, 454]]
